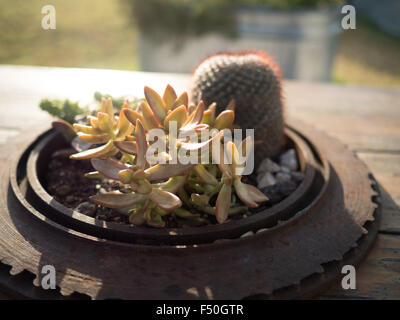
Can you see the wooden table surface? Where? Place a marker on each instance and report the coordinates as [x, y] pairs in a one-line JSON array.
[[366, 119]]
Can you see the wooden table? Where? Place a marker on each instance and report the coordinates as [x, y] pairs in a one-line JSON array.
[[366, 119]]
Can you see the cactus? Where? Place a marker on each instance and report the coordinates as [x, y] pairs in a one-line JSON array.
[[149, 190], [252, 82]]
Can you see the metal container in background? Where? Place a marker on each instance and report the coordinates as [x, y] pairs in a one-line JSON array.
[[302, 41]]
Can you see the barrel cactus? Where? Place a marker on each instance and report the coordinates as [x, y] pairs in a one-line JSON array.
[[252, 82]]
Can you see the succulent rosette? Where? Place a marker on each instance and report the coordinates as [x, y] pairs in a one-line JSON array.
[[147, 149]]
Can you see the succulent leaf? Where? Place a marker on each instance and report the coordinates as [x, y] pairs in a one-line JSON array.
[[108, 167], [95, 152], [204, 175], [169, 97], [118, 200], [223, 203], [224, 120], [126, 146], [149, 119], [94, 139], [124, 126], [164, 171], [156, 103], [183, 99], [179, 115], [165, 200]]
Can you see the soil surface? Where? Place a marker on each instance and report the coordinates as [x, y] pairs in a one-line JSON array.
[[66, 182]]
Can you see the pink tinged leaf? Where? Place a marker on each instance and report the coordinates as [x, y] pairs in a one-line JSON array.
[[65, 128], [223, 203], [164, 171], [183, 99], [104, 122], [204, 175], [141, 144], [132, 115], [156, 103], [256, 194], [169, 97], [244, 193], [224, 120], [95, 152], [150, 121], [126, 146], [124, 126], [118, 200], [165, 200], [172, 184], [94, 139], [194, 119], [179, 115], [80, 145], [110, 168], [218, 154]]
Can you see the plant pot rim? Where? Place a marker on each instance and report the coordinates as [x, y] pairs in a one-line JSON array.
[[174, 236]]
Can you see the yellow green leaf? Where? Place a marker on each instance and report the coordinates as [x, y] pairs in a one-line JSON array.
[[224, 120], [93, 153], [179, 115], [156, 103], [169, 97]]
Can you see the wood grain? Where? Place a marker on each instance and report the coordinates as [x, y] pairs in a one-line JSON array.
[[378, 277]]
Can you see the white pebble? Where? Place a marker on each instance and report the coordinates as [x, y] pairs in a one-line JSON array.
[[267, 165], [289, 160], [267, 179], [283, 177]]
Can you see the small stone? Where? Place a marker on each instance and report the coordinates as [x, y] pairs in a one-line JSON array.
[[287, 188], [267, 165], [297, 176], [289, 160], [63, 190], [283, 177], [87, 208], [273, 193], [267, 179], [285, 169]]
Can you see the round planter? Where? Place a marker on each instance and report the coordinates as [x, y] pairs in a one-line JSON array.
[[50, 142], [299, 255]]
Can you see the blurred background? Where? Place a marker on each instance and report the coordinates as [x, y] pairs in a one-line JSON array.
[[304, 36]]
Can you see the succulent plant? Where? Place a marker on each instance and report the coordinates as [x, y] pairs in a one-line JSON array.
[[151, 189], [252, 82], [65, 110]]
